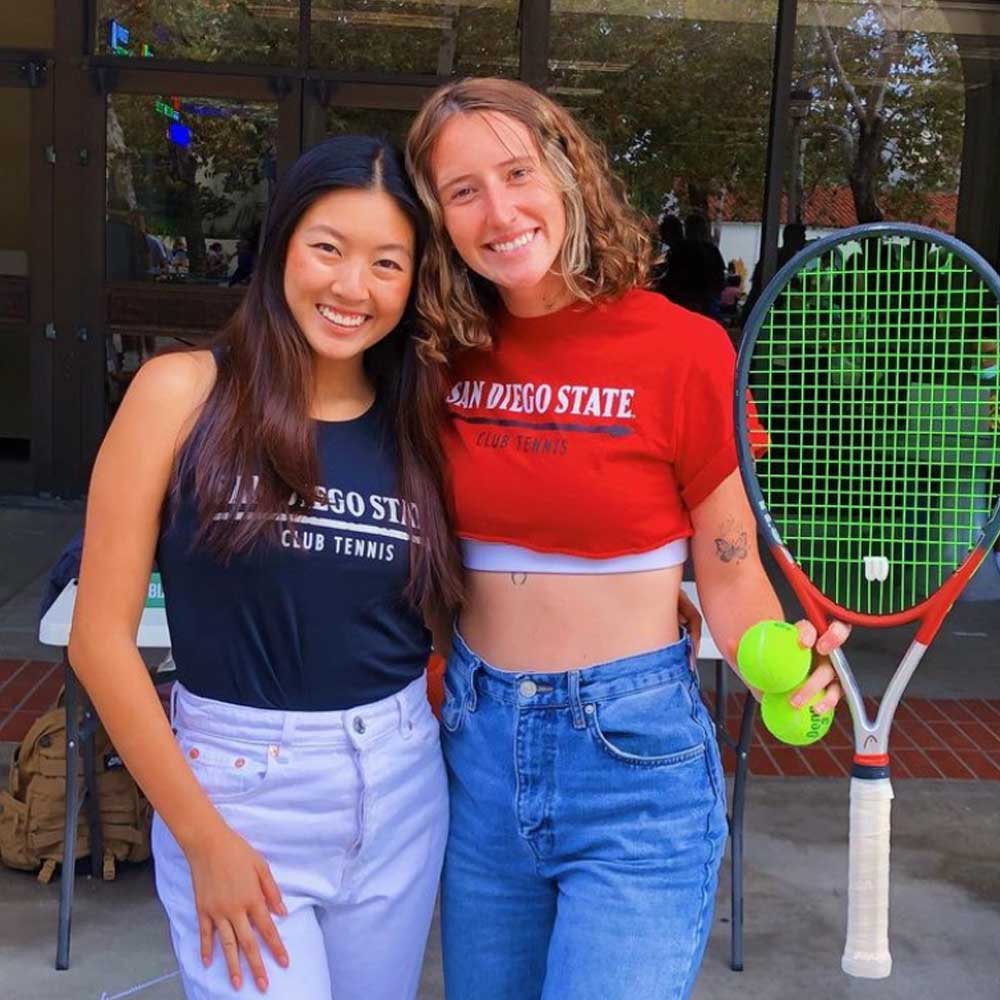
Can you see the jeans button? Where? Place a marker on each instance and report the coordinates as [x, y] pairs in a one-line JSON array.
[[359, 724], [528, 689]]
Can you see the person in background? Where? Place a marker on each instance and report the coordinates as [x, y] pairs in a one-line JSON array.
[[127, 255], [671, 231], [246, 254], [730, 298], [695, 272], [738, 267], [158, 259], [215, 261], [793, 239], [179, 261]]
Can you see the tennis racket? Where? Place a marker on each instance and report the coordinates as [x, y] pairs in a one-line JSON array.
[[869, 361]]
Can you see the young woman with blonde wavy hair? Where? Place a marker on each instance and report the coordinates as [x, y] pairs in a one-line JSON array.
[[590, 446]]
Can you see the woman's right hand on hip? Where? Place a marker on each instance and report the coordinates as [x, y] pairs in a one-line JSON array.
[[235, 895]]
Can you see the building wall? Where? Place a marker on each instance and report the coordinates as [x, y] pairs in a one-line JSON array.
[[27, 24], [15, 381], [15, 137], [743, 240]]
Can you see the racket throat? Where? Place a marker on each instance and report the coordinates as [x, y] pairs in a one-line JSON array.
[[871, 738], [870, 767]]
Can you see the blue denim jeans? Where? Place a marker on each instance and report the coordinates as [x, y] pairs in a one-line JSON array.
[[587, 826]]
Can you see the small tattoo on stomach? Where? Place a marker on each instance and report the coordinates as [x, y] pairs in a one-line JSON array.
[[519, 579]]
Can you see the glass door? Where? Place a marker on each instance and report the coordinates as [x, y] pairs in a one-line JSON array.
[[190, 162], [25, 270], [333, 107]]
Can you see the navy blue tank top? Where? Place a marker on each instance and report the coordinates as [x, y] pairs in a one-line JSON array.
[[316, 620]]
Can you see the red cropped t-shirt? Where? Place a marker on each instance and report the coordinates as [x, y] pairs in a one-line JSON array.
[[592, 431]]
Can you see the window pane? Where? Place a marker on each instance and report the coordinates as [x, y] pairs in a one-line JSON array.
[[188, 181], [201, 30], [369, 121], [878, 119], [447, 39], [682, 105]]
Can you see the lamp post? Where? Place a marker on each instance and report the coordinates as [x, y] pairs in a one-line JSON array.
[[798, 108]]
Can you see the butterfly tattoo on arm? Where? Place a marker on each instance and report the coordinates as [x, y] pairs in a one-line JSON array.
[[732, 545]]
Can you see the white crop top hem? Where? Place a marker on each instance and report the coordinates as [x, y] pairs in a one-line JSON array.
[[499, 557]]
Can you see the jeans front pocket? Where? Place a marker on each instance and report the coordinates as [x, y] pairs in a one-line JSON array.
[[227, 770], [651, 727]]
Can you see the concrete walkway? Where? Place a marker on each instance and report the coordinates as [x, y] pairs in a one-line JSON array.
[[945, 924]]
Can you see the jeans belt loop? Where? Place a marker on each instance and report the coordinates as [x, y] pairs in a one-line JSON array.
[[405, 717], [286, 739], [692, 658], [576, 706], [472, 698]]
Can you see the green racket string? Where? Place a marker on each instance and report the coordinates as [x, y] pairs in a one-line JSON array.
[[884, 455]]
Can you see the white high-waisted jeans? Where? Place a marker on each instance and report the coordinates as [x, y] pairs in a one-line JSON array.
[[350, 809]]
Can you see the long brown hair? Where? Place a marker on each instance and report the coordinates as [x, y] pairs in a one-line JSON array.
[[607, 248], [255, 426]]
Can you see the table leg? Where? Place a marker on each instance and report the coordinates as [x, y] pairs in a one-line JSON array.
[[736, 828], [720, 695], [88, 728], [72, 813]]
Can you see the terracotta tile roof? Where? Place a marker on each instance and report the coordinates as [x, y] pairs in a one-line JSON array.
[[833, 208]]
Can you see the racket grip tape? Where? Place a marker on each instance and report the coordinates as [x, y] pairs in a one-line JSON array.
[[866, 953]]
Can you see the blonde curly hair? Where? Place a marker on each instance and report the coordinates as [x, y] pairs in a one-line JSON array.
[[607, 248]]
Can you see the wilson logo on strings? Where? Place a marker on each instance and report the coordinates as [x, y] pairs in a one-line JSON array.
[[876, 569]]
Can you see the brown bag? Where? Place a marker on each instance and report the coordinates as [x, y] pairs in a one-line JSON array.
[[33, 808]]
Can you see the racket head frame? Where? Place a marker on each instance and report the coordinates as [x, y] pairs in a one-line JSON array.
[[871, 738]]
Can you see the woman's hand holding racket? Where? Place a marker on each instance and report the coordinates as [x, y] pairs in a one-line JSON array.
[[823, 675]]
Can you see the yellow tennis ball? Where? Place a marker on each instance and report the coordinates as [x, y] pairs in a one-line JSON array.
[[771, 658], [797, 726]]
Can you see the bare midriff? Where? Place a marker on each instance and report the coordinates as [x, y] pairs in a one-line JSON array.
[[555, 622]]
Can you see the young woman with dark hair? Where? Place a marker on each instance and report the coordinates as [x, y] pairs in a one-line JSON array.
[[591, 451], [288, 482]]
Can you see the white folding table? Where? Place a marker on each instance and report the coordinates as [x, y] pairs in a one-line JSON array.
[[81, 724]]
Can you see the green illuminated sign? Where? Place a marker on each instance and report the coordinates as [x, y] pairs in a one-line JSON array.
[[167, 110]]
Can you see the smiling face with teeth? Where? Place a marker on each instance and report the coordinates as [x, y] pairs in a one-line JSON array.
[[348, 273], [502, 208]]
